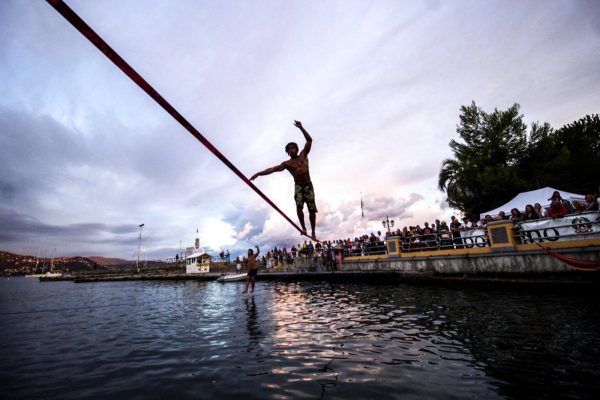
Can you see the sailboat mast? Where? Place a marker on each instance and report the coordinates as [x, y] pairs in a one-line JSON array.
[[137, 264], [44, 263]]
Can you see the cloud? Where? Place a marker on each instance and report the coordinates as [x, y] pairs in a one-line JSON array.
[[245, 231], [82, 145], [21, 232], [340, 221]]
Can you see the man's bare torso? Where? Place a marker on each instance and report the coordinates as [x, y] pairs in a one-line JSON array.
[[298, 167], [252, 262]]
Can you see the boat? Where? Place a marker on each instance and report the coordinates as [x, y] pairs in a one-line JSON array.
[[52, 274], [232, 278], [37, 261]]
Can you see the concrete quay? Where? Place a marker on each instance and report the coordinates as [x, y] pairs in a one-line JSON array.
[[572, 282]]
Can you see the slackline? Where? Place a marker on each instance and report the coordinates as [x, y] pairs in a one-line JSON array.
[[97, 41]]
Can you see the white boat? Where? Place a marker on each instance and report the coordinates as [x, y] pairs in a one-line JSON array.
[[52, 274], [232, 278]]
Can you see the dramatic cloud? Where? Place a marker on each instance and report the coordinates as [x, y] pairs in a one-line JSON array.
[[87, 156]]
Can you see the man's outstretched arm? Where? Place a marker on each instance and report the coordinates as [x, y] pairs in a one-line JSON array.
[[278, 168], [308, 144], [257, 251]]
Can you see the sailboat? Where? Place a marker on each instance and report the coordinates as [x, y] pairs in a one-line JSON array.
[[37, 261], [52, 273]]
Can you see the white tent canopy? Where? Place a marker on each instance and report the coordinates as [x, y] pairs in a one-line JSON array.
[[535, 196]]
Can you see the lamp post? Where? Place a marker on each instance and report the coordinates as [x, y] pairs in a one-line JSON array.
[[388, 223], [137, 264]]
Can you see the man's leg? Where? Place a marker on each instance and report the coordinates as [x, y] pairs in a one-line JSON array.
[[300, 213], [247, 284], [253, 279], [312, 216]]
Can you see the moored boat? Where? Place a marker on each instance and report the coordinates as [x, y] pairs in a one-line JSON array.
[[232, 278]]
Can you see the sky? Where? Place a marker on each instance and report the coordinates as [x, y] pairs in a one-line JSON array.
[[87, 156]]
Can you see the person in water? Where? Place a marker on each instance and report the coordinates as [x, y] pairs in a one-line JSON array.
[[297, 165], [252, 269]]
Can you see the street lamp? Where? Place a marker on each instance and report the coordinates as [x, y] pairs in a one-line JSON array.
[[137, 264], [388, 223]]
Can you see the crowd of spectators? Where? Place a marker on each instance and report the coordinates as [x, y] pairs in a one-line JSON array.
[[327, 250], [558, 207], [435, 235]]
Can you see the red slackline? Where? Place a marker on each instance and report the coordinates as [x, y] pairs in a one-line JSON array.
[[583, 265], [97, 41]]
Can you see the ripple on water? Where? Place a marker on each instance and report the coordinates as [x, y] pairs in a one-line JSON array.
[[191, 339]]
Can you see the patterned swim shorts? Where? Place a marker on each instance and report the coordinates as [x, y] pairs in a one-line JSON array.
[[305, 194]]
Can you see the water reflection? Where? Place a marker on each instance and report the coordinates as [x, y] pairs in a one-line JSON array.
[[497, 343], [252, 325]]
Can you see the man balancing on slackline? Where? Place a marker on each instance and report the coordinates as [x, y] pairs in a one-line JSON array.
[[297, 165]]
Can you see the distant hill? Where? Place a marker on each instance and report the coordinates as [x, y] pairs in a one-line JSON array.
[[16, 263], [108, 261]]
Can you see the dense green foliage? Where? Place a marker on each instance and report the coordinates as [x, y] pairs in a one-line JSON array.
[[497, 158]]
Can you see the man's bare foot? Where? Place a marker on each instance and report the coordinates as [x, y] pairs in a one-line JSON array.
[[245, 291], [314, 237], [303, 232]]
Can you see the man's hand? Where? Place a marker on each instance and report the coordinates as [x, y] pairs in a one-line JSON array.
[[254, 177], [298, 124]]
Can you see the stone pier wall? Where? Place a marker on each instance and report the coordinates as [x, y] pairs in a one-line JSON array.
[[508, 263], [512, 263]]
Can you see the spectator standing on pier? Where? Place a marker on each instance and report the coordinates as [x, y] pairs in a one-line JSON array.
[[444, 235], [515, 215], [465, 223], [488, 219], [252, 269], [540, 211], [558, 206], [455, 229], [592, 202], [501, 216], [530, 213]]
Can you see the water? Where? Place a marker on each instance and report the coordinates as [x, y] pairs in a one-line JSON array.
[[190, 339]]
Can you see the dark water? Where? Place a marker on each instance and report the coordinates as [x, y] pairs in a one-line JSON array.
[[303, 340]]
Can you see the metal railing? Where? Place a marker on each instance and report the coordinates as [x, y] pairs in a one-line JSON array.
[[365, 249], [466, 239]]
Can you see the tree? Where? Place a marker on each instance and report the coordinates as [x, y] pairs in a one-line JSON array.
[[581, 139], [567, 158], [544, 162], [484, 173]]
